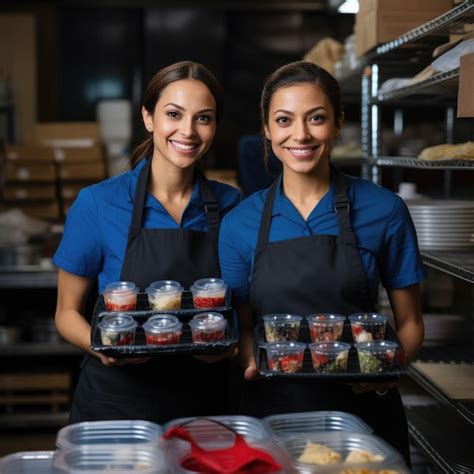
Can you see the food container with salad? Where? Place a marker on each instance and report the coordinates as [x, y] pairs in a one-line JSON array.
[[208, 327], [329, 357], [165, 295], [117, 329], [376, 356], [325, 327], [368, 327], [121, 296], [209, 293], [162, 329], [282, 327], [285, 357]]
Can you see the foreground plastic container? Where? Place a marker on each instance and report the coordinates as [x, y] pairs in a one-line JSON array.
[[165, 295], [105, 458], [120, 296], [366, 327], [376, 356], [339, 450], [325, 327], [162, 329], [130, 432], [329, 357], [209, 293], [282, 327], [208, 327], [117, 329], [285, 357], [315, 421], [27, 462]]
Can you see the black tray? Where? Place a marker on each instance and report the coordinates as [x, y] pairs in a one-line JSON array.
[[186, 344], [353, 373]]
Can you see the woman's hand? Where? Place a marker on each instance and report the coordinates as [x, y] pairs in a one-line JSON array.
[[381, 388], [251, 372]]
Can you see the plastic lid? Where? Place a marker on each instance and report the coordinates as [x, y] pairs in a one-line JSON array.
[[376, 346], [117, 322], [165, 287], [368, 318], [121, 287], [209, 284], [330, 347], [162, 323], [324, 318], [282, 318], [289, 346], [207, 321]]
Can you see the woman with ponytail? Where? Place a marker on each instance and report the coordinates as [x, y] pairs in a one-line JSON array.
[[158, 221]]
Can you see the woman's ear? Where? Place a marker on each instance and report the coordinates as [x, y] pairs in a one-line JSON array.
[[147, 119], [267, 133], [340, 125]]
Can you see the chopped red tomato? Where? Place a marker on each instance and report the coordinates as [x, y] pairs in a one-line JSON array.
[[203, 302], [120, 307], [164, 338]]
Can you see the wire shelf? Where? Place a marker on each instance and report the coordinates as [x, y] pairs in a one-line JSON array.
[[414, 162], [458, 264]]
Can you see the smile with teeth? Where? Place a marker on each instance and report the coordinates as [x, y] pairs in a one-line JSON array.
[[183, 146], [302, 151]]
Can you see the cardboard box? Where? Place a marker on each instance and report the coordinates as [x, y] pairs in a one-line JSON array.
[[29, 172], [28, 153], [465, 90], [405, 5], [66, 134], [78, 155], [32, 192], [47, 211], [94, 171], [69, 191]]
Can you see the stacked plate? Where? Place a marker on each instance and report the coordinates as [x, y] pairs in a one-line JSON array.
[[443, 225]]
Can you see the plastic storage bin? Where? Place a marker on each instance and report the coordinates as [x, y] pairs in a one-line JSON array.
[[27, 462], [132, 432], [315, 421]]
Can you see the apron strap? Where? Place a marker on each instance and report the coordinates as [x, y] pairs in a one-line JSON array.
[[139, 200], [210, 203]]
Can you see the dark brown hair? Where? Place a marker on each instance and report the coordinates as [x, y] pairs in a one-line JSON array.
[[297, 73], [164, 77]]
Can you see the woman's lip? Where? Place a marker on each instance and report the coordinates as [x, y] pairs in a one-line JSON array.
[[183, 147], [302, 152]]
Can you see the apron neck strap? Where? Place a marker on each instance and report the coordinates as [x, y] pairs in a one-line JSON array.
[[342, 208], [265, 223], [210, 202]]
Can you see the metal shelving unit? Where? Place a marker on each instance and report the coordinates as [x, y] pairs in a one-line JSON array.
[[29, 278], [29, 349], [405, 56]]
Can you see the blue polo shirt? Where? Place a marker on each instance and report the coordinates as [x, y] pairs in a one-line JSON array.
[[386, 237], [96, 228]]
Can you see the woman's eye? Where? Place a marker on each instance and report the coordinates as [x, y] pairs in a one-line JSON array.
[[283, 120], [172, 114], [318, 118], [204, 118]]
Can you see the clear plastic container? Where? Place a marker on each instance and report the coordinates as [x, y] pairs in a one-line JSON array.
[[368, 327], [285, 357], [209, 293], [100, 459], [133, 432], [162, 329], [314, 421], [282, 327], [376, 356], [27, 462], [117, 329], [121, 296], [329, 357], [208, 327], [325, 327], [165, 295], [319, 452]]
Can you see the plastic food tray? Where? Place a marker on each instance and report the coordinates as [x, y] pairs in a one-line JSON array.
[[315, 421], [27, 462], [251, 428], [344, 443], [186, 344], [353, 373], [102, 459], [134, 432]]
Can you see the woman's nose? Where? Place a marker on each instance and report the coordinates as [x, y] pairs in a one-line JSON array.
[[300, 131], [187, 127]]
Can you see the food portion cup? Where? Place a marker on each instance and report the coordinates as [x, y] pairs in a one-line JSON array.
[[162, 329], [120, 296], [117, 329], [329, 357], [165, 295], [208, 327], [282, 327], [368, 327], [285, 357], [376, 356], [325, 327], [209, 293]]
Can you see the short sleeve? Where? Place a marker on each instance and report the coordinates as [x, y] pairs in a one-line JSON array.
[[234, 267], [401, 264], [80, 250]]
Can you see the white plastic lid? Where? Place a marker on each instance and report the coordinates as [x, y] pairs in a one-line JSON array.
[[164, 287], [209, 284], [121, 288], [329, 347], [117, 322], [325, 318], [161, 323], [376, 346], [286, 347], [368, 318], [282, 319], [204, 321]]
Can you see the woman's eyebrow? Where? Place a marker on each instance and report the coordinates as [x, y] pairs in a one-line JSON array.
[[208, 109], [291, 113]]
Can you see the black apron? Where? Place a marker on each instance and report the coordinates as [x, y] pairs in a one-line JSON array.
[[165, 387], [306, 275]]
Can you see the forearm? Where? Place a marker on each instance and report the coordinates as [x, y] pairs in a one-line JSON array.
[[411, 336], [74, 328]]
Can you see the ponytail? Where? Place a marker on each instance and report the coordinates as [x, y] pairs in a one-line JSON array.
[[145, 149]]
